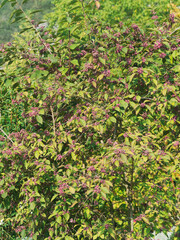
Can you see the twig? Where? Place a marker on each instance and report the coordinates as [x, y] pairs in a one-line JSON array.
[[175, 30], [6, 135], [54, 125]]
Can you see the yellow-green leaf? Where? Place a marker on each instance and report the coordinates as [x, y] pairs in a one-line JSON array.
[[72, 190], [39, 119], [146, 220]]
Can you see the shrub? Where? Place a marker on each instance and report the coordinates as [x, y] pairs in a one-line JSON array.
[[98, 156]]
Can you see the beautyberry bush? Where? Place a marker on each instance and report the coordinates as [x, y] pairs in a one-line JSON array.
[[96, 154]]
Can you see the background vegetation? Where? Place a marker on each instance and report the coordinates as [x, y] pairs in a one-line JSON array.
[[7, 29]]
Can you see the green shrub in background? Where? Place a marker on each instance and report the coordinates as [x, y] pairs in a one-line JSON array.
[[96, 155], [7, 29]]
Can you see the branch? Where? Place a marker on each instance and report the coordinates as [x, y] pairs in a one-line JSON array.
[[6, 135]]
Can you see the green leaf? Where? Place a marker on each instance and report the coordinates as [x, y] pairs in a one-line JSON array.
[[68, 172], [83, 122], [35, 11], [37, 154], [79, 231], [32, 205], [138, 98], [39, 119], [116, 163], [112, 233], [73, 46], [60, 147], [42, 199], [59, 219], [25, 29], [69, 19], [55, 196], [89, 191], [103, 195], [73, 155], [177, 68], [123, 104], [8, 83], [35, 236], [106, 96], [175, 54], [69, 238], [131, 77], [105, 189], [75, 62], [112, 119], [146, 220], [54, 59], [173, 102], [12, 187], [123, 157], [155, 82], [164, 91], [41, 112], [1, 61], [102, 60], [87, 212], [133, 105], [23, 233], [72, 190], [4, 195], [125, 49], [80, 129], [100, 77], [101, 129], [16, 13], [101, 49], [53, 214], [109, 183], [66, 216], [63, 70], [94, 84], [2, 182]]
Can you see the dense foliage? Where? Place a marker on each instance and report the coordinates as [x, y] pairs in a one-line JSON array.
[[92, 147], [76, 14]]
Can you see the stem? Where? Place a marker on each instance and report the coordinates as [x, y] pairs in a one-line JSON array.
[[131, 216], [6, 135], [85, 16], [115, 130], [131, 227], [113, 216], [69, 36], [54, 124]]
